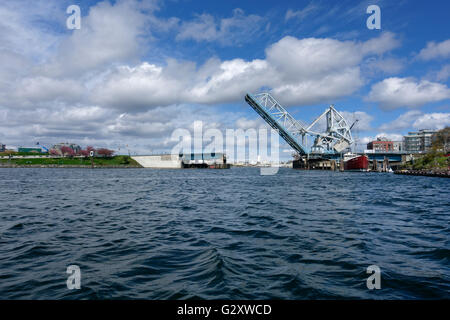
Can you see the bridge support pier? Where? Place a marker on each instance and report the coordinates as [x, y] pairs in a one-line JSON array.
[[385, 164]]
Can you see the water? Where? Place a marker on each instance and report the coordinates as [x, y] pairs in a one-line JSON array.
[[210, 234]]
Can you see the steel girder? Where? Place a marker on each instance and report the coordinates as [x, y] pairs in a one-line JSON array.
[[335, 139]]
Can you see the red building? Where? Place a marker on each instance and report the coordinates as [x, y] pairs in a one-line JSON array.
[[381, 145]]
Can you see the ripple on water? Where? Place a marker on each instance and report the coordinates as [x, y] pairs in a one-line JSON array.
[[231, 234]]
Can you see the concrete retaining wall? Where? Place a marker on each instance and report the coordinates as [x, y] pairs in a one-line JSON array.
[[160, 161]]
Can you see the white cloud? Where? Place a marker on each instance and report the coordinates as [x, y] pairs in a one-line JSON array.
[[109, 33], [404, 121], [432, 121], [364, 120], [387, 66], [435, 50], [236, 29], [312, 57], [93, 85], [244, 123], [444, 73], [31, 92], [298, 72], [390, 136], [301, 14], [416, 119], [407, 92], [362, 142], [20, 32], [386, 42]]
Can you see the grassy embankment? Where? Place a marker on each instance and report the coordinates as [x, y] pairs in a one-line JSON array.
[[435, 159], [15, 153], [431, 161], [118, 161]]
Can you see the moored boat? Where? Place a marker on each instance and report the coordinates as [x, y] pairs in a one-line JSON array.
[[356, 163]]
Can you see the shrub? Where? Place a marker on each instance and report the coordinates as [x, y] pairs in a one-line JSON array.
[[67, 151], [105, 152]]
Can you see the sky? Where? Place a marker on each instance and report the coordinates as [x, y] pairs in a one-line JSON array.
[[138, 70]]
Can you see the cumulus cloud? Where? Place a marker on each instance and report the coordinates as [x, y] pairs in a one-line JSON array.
[[38, 91], [404, 121], [20, 33], [94, 125], [110, 33], [363, 120], [94, 85], [435, 50], [298, 71], [418, 120], [436, 120], [407, 92]]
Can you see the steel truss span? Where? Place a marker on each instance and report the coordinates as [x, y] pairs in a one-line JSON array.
[[337, 137]]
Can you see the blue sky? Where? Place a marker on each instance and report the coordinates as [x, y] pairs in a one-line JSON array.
[[138, 70]]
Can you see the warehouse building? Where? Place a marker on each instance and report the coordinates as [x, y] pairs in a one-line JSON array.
[[76, 148]]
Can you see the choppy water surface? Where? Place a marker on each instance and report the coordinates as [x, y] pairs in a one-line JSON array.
[[176, 234]]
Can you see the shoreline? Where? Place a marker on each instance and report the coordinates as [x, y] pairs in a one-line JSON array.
[[425, 173], [66, 166]]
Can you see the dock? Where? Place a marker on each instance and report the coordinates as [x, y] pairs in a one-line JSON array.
[[425, 173], [184, 161]]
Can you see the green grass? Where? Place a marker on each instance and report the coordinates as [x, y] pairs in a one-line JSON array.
[[432, 160], [23, 153], [113, 161]]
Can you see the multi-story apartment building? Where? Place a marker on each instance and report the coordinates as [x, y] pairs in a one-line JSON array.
[[418, 141]]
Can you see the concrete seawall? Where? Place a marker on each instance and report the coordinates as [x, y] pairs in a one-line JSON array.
[[174, 161], [159, 161]]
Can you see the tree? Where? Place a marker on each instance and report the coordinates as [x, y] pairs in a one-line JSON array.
[[105, 152], [84, 153], [54, 152], [67, 151], [441, 140], [90, 148]]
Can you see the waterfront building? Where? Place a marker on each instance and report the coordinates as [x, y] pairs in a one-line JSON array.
[[398, 145], [381, 144], [76, 148], [178, 161], [418, 141], [2, 147], [29, 149]]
